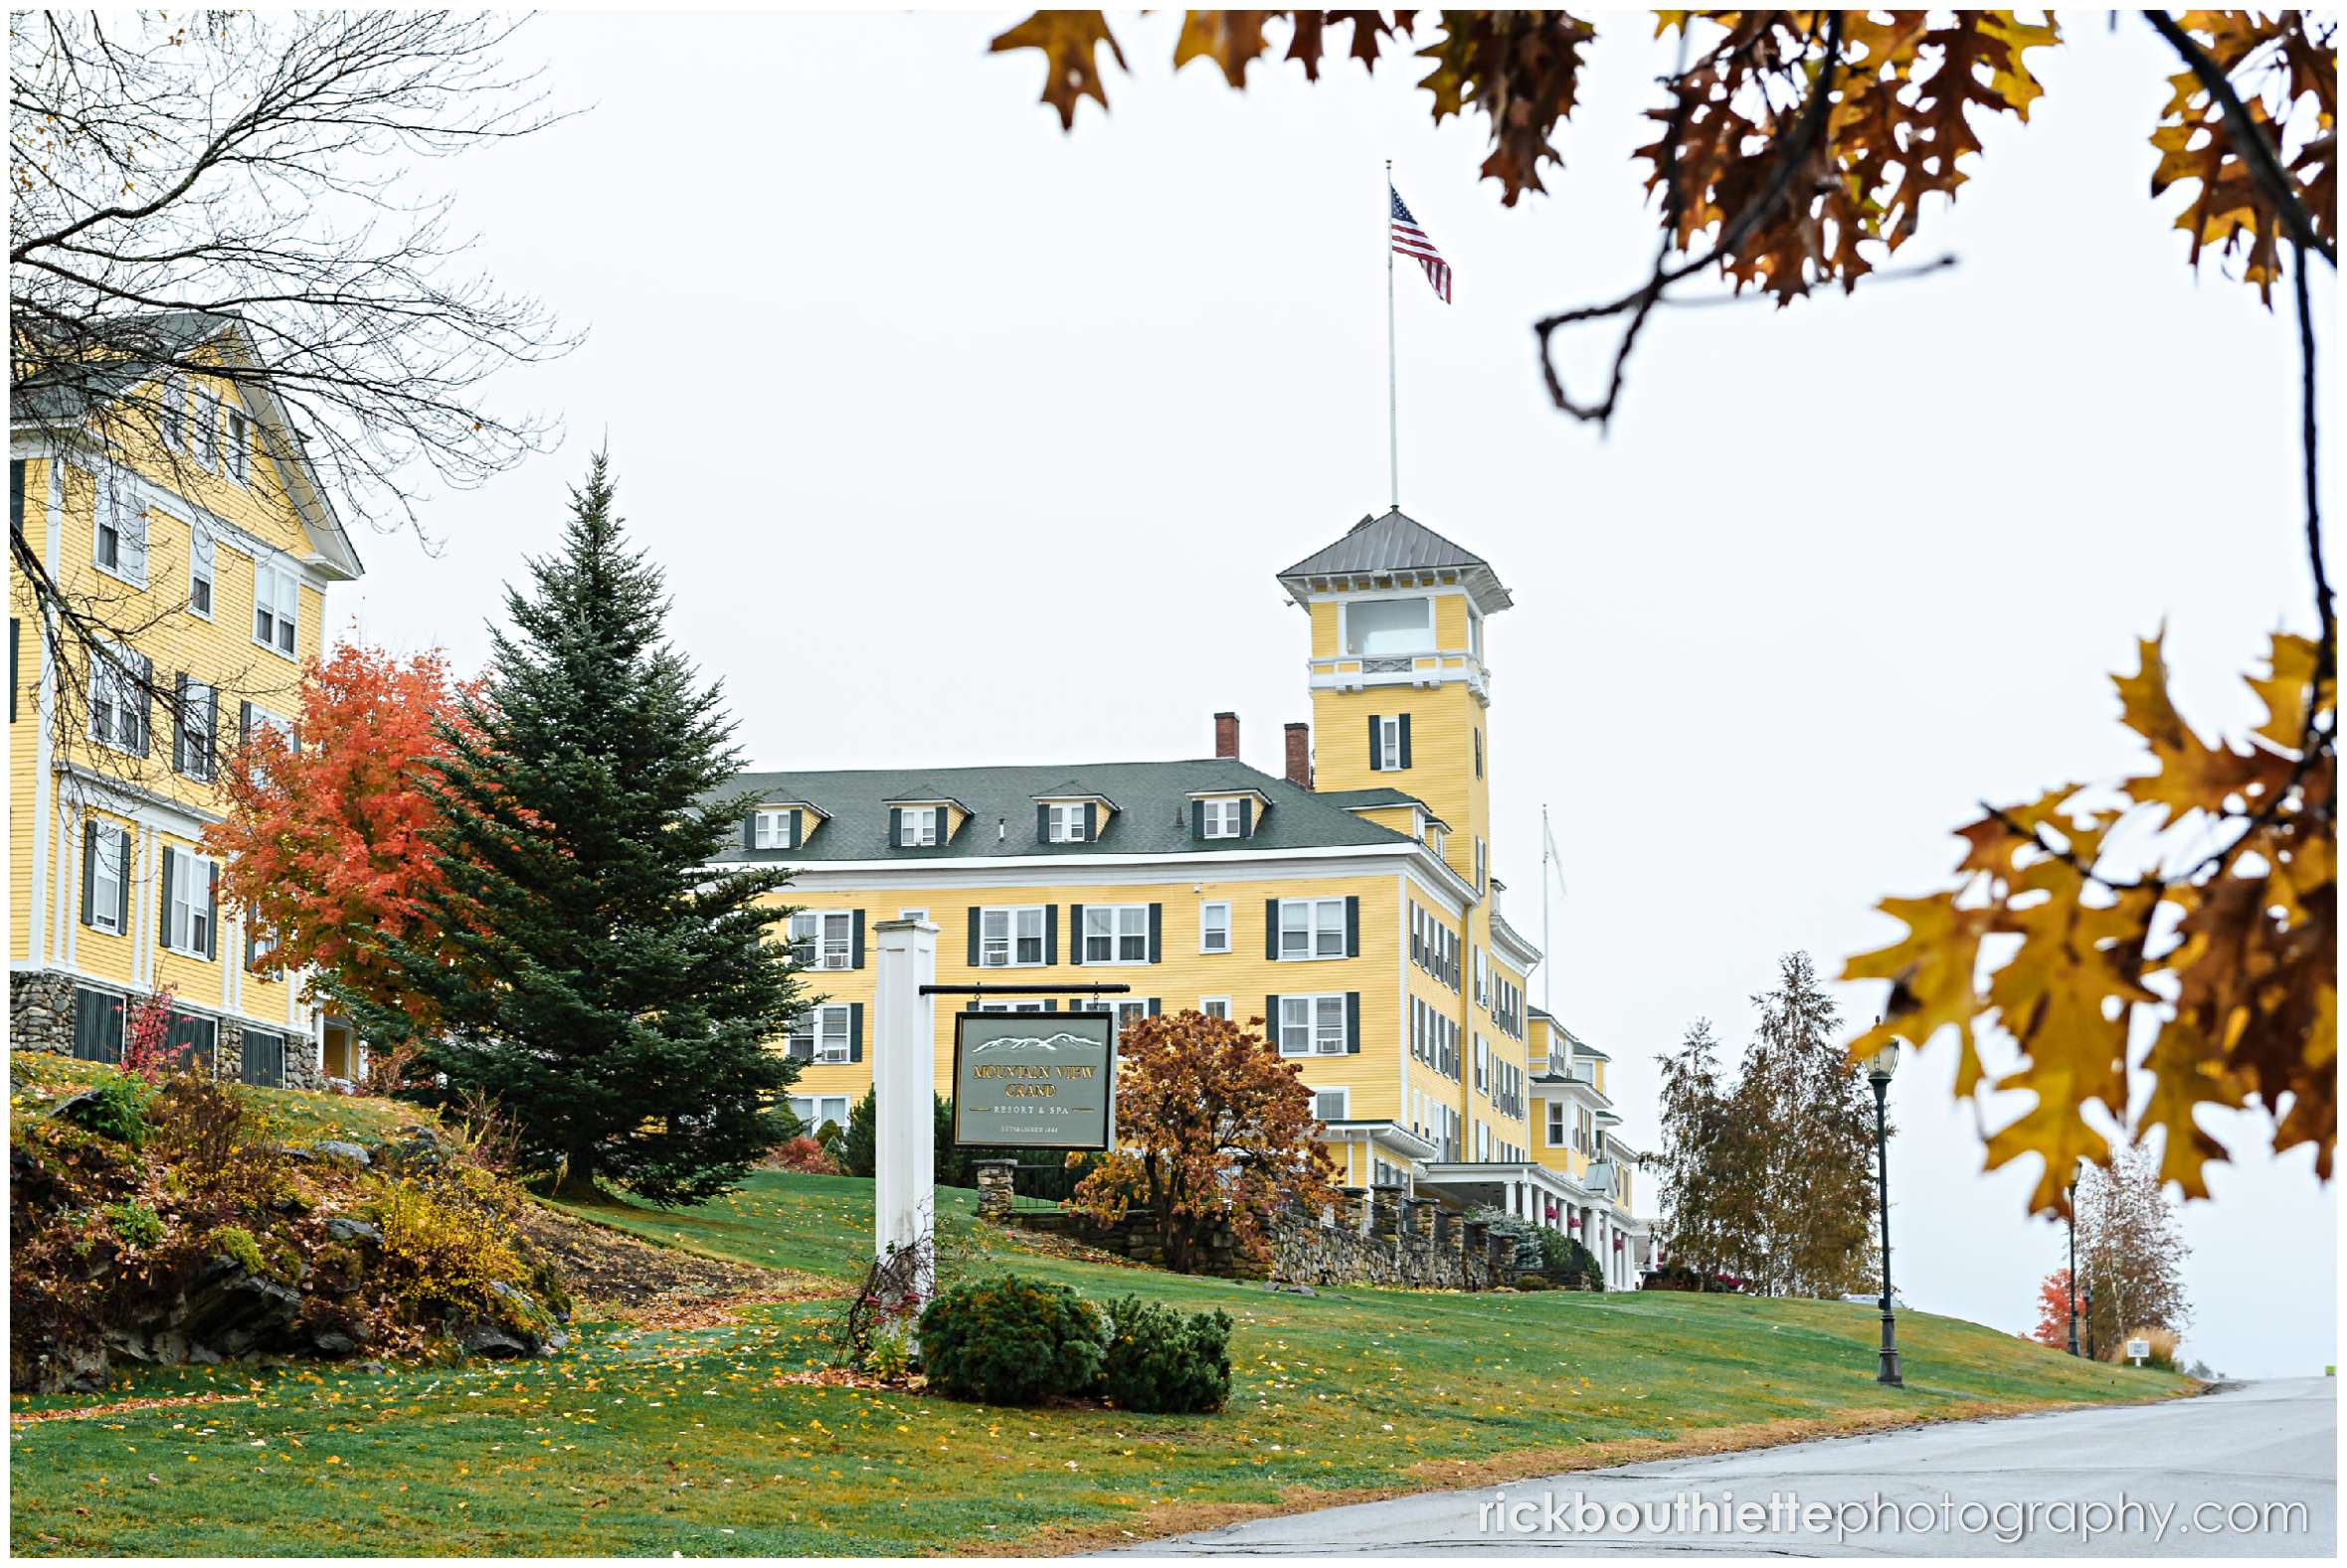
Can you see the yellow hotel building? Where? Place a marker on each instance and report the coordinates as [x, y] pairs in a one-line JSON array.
[[199, 522], [1349, 902]]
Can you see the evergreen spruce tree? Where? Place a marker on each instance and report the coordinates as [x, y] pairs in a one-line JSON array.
[[611, 992], [1698, 1165]]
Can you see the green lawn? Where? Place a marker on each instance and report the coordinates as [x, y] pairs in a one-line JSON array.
[[651, 1442]]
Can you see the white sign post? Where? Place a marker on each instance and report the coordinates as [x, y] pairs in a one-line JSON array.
[[904, 1087], [2138, 1350]]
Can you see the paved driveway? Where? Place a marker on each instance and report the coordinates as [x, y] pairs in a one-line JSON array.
[[2248, 1471]]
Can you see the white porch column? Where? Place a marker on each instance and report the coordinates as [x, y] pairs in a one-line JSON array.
[[904, 1086]]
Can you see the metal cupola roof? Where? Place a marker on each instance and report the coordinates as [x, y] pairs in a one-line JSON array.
[[1381, 547]]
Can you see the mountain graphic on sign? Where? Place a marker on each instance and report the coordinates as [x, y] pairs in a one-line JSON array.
[[1030, 1042]]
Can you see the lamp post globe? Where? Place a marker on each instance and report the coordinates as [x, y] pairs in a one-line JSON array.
[[1879, 1068]]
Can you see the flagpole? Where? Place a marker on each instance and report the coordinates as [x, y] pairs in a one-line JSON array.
[[1548, 953], [1392, 394]]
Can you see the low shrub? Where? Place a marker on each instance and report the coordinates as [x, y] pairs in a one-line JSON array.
[[888, 1357], [441, 1250], [134, 1223], [803, 1156], [114, 1108], [1159, 1359], [1534, 1281], [239, 1243], [1010, 1340]]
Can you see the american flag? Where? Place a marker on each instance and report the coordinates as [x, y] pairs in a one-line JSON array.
[[1410, 240]]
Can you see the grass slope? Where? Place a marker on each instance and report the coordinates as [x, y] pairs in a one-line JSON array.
[[697, 1442]]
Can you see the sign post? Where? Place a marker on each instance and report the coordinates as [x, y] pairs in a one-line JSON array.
[[904, 1079]]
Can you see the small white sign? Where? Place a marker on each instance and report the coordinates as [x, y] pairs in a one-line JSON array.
[[2137, 1349]]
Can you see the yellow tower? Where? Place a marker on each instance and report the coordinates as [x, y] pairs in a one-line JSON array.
[[1400, 696]]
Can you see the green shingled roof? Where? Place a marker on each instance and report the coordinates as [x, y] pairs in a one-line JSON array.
[[1153, 819]]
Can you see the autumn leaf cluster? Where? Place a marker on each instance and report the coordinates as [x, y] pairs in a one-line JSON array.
[[1796, 147], [2215, 972]]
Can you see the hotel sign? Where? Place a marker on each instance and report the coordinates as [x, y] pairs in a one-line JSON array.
[[1034, 1080]]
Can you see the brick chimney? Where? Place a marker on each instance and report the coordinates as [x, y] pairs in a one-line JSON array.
[[1300, 755], [1226, 735]]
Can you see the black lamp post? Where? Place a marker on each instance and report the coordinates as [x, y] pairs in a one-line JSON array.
[[2070, 1279], [1883, 1063]]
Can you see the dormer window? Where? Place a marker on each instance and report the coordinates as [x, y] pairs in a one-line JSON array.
[[771, 829], [920, 827], [1067, 822]]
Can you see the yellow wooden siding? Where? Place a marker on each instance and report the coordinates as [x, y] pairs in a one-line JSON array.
[[1182, 981]]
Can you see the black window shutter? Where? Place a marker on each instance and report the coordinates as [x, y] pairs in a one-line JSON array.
[[1352, 927], [749, 824], [1091, 822], [974, 917], [1271, 1020], [252, 937], [146, 703], [89, 873], [855, 1031], [1157, 934], [122, 883], [896, 826], [170, 875], [1246, 818], [1197, 820], [1376, 751], [1075, 934], [1352, 1024], [243, 722], [945, 825], [212, 912], [1051, 934], [1042, 824], [798, 828], [1405, 740], [1271, 928], [856, 944], [1152, 1006], [179, 724]]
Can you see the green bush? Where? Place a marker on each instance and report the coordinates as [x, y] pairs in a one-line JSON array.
[[1534, 1281], [136, 1223], [1010, 1340], [114, 1108], [1161, 1360]]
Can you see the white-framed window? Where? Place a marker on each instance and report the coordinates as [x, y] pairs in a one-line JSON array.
[[260, 939], [1388, 627], [120, 542], [1483, 1140], [1312, 928], [187, 904], [916, 826], [1483, 979], [194, 728], [1474, 631], [1482, 857], [1011, 938], [207, 431], [1482, 1066], [770, 829], [1128, 1013], [117, 704], [202, 552], [1311, 1025], [1223, 818], [1332, 1105], [823, 938], [1116, 934], [276, 607], [1215, 1007], [237, 443], [1437, 839], [1389, 744], [171, 415], [821, 1034], [1012, 1004], [1066, 821], [109, 870], [813, 1111], [1214, 928], [1479, 754], [912, 914]]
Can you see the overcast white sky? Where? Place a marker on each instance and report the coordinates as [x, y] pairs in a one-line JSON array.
[[966, 441]]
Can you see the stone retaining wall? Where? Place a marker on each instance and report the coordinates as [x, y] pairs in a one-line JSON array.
[[1369, 1236], [41, 1018]]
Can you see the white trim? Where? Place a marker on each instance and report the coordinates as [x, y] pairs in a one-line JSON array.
[[1344, 1094], [1229, 934], [288, 572], [1207, 1005], [1101, 870], [1116, 938], [1010, 912], [201, 540], [1312, 931], [44, 715]]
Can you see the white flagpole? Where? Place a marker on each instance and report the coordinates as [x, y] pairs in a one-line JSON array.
[[1548, 953], [1392, 395]]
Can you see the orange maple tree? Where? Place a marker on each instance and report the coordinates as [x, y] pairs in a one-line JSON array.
[[2054, 1311], [326, 838], [1214, 1130]]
